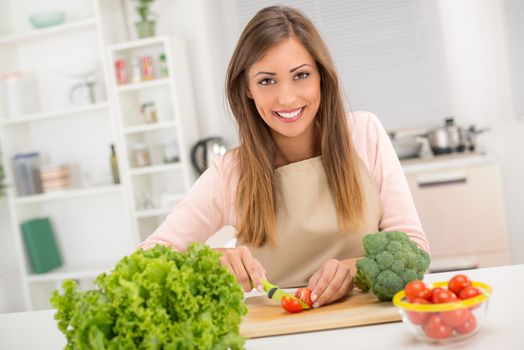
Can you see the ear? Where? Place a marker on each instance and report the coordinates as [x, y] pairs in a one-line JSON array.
[[248, 93]]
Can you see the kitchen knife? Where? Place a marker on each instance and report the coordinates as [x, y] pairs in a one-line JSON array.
[[275, 293]]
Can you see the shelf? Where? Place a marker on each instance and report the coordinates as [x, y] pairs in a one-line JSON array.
[[38, 33], [138, 44], [53, 114], [149, 127], [68, 194], [72, 272], [155, 169], [143, 85]]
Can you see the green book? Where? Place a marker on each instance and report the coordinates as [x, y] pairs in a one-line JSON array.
[[41, 245]]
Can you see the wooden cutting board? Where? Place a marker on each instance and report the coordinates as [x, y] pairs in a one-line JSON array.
[[266, 317]]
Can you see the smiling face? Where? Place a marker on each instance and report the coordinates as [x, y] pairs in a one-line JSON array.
[[285, 86]]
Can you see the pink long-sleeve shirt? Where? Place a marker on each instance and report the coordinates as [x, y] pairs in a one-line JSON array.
[[210, 203]]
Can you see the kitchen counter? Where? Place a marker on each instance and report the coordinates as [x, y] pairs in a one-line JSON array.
[[451, 160], [501, 330]]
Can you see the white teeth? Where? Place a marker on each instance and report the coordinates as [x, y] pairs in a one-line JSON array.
[[290, 115]]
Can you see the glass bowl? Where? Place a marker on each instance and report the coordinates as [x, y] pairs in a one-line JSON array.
[[446, 322]]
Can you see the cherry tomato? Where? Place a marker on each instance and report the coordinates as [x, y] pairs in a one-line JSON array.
[[456, 317], [457, 283], [417, 289], [291, 304], [467, 327], [418, 317], [469, 292], [436, 329], [442, 295], [304, 294]]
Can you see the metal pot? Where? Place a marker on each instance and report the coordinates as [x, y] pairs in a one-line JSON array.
[[446, 139], [406, 147], [470, 137], [407, 142], [453, 138]]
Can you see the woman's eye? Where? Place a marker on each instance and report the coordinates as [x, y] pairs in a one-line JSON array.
[[266, 81], [302, 75]]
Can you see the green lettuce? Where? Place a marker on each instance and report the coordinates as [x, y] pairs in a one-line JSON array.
[[155, 299]]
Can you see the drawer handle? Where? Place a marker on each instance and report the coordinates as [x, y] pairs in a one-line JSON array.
[[442, 183]]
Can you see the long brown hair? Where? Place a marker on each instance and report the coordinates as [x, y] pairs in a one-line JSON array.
[[256, 194]]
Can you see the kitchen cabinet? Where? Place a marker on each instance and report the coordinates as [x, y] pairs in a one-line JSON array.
[[96, 221], [460, 202]]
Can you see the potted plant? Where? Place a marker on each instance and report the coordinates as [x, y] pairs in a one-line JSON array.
[[146, 26]]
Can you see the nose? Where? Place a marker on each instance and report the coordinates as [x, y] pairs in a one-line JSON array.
[[286, 94]]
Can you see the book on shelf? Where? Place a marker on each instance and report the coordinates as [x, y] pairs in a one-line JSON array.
[[27, 173], [41, 245]]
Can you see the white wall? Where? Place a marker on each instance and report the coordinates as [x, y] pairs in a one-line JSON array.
[[477, 54], [189, 22]]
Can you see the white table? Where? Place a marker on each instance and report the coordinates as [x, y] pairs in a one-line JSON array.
[[503, 328]]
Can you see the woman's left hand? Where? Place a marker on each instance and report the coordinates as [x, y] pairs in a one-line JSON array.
[[331, 282]]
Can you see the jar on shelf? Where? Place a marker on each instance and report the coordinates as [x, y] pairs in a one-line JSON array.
[[136, 75], [148, 112], [170, 152], [147, 68], [162, 62], [121, 71], [141, 155]]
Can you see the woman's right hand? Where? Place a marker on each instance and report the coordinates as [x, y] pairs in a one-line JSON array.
[[248, 270]]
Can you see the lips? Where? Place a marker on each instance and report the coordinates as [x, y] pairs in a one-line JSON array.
[[289, 116]]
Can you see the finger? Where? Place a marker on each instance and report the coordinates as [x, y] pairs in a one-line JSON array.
[[326, 275], [336, 288], [313, 280], [262, 272], [253, 269], [224, 260], [240, 272]]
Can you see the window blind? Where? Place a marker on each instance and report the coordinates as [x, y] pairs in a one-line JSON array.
[[389, 53], [514, 12]]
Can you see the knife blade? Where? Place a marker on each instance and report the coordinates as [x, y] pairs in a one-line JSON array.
[[275, 293]]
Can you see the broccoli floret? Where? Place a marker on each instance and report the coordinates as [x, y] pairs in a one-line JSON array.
[[390, 261]]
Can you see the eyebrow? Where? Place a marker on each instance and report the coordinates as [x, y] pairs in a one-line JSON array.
[[290, 71]]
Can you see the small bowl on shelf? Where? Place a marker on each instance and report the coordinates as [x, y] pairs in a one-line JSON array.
[[47, 19], [444, 322]]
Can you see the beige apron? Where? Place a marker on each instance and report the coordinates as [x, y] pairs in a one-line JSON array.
[[307, 226]]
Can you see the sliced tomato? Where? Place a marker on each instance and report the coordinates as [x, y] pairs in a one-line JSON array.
[[458, 282], [290, 304], [304, 294], [435, 328]]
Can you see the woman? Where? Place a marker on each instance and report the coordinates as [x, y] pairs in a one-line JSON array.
[[307, 181]]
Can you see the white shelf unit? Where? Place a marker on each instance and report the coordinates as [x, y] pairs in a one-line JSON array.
[[96, 223], [66, 194], [57, 113], [91, 220], [155, 188], [55, 30]]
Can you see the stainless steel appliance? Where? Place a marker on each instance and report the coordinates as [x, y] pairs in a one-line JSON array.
[[204, 151]]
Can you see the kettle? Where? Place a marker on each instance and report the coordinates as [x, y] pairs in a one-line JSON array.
[[204, 151], [446, 139]]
